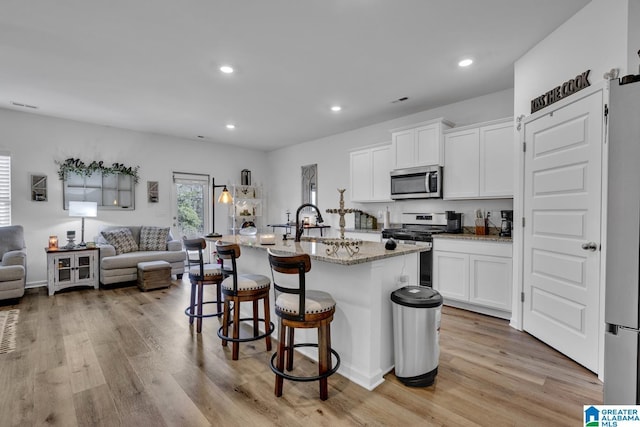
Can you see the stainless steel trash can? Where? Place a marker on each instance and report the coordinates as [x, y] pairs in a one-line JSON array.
[[416, 327]]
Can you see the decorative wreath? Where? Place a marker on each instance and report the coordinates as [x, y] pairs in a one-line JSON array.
[[77, 166]]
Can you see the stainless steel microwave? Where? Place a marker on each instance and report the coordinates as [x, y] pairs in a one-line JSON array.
[[423, 182]]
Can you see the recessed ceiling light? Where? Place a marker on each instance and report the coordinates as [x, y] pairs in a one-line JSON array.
[[231, 126], [465, 62], [226, 69], [336, 108]]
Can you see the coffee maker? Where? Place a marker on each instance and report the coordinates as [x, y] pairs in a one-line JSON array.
[[507, 222], [454, 222]]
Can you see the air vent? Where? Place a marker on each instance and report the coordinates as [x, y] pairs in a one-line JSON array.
[[20, 104], [404, 98]]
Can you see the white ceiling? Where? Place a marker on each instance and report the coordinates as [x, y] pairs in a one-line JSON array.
[[152, 65]]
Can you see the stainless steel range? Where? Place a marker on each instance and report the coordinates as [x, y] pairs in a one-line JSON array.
[[418, 229]]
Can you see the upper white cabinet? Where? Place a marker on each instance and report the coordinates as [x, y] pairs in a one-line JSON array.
[[478, 161], [419, 145], [370, 179]]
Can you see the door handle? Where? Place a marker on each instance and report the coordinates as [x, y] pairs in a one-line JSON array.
[[590, 246]]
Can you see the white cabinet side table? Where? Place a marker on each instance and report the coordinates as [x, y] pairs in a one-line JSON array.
[[67, 268]]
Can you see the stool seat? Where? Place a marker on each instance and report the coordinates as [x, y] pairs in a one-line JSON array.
[[209, 270], [314, 302], [247, 282]]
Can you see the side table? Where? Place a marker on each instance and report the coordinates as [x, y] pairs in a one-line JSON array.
[[67, 268]]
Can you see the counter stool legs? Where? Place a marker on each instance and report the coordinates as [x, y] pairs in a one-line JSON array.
[[282, 347], [234, 323]]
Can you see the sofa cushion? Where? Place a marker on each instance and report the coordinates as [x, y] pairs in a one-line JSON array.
[[131, 259], [153, 238], [121, 239]]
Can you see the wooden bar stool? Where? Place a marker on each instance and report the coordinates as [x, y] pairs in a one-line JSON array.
[[298, 307], [239, 288], [201, 274]]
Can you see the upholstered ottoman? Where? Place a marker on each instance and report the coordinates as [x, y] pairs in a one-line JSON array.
[[154, 275]]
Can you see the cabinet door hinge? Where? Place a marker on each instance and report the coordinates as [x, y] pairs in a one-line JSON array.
[[521, 296], [606, 110], [524, 146]]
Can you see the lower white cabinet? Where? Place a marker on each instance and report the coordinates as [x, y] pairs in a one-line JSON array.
[[476, 275], [74, 267]]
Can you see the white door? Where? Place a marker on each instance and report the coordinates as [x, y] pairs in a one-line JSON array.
[[562, 209], [190, 207]]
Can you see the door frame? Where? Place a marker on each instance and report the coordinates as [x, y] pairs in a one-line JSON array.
[[518, 206]]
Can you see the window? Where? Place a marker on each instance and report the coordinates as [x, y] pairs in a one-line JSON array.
[[5, 189]]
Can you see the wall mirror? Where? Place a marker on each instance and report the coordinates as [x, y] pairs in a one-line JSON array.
[[310, 185]]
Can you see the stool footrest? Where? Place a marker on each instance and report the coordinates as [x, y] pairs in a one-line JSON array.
[[305, 379], [194, 315], [272, 327]]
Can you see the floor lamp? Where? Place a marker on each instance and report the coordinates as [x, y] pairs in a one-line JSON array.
[[225, 197], [83, 210]]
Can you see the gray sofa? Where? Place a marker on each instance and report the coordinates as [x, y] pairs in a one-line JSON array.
[[123, 267], [13, 267]]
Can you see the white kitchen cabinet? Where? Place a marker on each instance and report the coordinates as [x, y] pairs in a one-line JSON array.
[[419, 145], [475, 275], [67, 268], [479, 161], [370, 179]]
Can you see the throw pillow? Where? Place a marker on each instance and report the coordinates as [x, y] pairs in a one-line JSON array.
[[153, 238], [121, 239]]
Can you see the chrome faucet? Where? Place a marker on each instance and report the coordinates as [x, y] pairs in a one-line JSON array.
[[300, 226]]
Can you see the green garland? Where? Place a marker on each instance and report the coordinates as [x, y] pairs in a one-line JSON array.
[[77, 166]]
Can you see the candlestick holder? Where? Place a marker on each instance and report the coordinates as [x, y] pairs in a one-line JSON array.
[[352, 246]]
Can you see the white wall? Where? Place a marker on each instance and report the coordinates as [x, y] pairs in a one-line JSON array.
[[332, 156], [601, 36], [36, 142], [595, 38]]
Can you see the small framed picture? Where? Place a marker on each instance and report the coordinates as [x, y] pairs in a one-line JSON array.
[[152, 191], [38, 188]]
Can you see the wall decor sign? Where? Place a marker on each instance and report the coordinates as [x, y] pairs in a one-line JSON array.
[[567, 88], [38, 188]]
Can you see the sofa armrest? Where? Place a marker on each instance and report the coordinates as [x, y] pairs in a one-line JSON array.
[[174, 245], [18, 257], [107, 250], [11, 273]]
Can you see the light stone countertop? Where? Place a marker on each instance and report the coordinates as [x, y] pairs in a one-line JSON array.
[[369, 251], [471, 236]]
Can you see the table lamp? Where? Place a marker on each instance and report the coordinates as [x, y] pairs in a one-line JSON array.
[[83, 210]]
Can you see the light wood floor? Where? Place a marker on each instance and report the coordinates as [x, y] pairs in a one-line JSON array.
[[121, 357]]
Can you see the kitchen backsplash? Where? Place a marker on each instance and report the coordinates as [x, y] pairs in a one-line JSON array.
[[466, 207]]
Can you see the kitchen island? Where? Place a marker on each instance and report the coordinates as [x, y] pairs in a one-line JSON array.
[[362, 330]]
